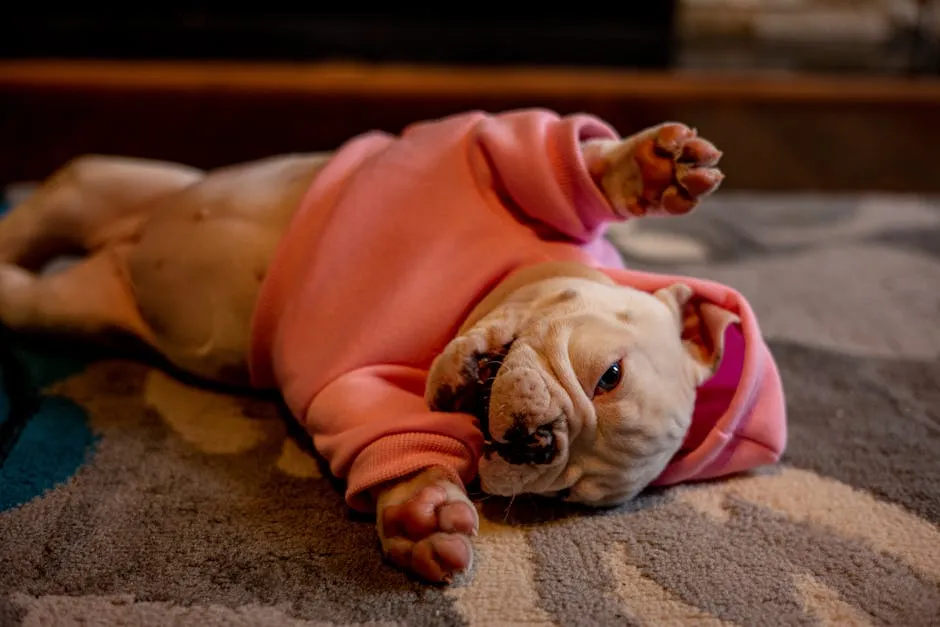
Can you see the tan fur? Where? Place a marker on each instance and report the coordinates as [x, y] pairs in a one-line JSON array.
[[172, 255]]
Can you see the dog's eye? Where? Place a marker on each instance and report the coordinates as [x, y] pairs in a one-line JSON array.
[[610, 379]]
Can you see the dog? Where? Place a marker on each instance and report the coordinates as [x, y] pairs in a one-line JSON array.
[[433, 306]]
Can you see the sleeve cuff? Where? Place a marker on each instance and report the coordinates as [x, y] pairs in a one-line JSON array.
[[397, 456]]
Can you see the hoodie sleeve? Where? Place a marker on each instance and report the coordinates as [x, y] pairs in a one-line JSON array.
[[372, 425], [535, 155]]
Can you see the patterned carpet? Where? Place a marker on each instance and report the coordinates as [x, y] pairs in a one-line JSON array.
[[131, 498]]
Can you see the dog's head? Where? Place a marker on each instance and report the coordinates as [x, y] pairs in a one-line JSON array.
[[593, 393]]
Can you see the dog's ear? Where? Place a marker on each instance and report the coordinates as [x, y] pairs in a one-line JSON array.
[[702, 326]]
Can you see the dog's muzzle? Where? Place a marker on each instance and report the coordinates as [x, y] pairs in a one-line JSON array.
[[521, 433]]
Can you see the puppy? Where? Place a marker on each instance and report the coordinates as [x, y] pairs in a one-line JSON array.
[[431, 306]]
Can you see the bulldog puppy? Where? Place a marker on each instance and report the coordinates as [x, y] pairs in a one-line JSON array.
[[532, 360]]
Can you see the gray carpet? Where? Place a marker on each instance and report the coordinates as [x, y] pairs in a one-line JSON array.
[[189, 507]]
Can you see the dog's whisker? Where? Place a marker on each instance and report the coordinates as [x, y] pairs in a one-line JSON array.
[[512, 499]]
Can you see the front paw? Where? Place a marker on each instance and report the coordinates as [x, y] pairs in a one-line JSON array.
[[666, 169], [425, 525]]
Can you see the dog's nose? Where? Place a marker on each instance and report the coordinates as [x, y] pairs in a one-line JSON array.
[[520, 446]]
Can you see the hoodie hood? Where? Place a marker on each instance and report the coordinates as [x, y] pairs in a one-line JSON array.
[[739, 422]]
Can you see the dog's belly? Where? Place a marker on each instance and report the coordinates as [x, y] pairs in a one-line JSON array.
[[196, 287], [197, 269]]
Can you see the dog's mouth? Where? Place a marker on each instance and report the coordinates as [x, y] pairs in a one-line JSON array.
[[473, 395], [484, 370]]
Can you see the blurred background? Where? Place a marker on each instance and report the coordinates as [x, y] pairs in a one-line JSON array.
[[801, 94], [864, 36]]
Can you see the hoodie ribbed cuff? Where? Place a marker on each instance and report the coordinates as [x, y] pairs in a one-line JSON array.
[[397, 456]]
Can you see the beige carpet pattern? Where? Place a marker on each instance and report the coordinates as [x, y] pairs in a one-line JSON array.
[[198, 508]]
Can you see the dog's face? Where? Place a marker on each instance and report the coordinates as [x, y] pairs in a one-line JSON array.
[[588, 391]]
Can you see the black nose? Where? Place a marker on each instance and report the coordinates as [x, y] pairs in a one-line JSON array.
[[524, 447]]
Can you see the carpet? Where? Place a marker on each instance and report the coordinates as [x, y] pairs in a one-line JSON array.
[[129, 497]]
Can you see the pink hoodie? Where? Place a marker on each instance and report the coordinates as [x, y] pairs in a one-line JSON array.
[[395, 243]]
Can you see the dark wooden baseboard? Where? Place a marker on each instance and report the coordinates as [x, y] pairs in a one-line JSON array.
[[777, 132]]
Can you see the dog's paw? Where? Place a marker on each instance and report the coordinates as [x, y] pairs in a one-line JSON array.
[[425, 525], [666, 169]]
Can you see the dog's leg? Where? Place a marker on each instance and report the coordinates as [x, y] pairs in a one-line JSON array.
[[91, 297], [663, 170], [425, 523], [92, 201], [87, 208]]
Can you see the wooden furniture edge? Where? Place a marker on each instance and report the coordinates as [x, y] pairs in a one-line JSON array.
[[368, 80]]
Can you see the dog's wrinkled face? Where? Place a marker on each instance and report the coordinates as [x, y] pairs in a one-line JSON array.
[[588, 395]]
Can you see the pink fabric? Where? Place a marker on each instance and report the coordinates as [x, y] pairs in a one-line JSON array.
[[395, 243]]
